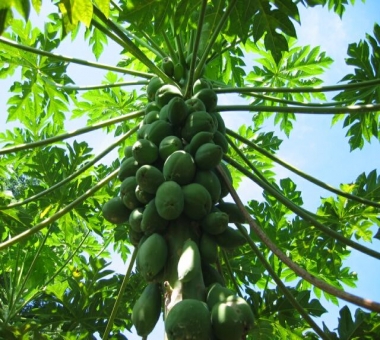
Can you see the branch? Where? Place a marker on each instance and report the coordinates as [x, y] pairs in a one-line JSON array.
[[74, 60], [357, 300], [300, 173], [74, 133]]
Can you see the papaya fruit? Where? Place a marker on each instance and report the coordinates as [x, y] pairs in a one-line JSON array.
[[143, 130], [179, 167], [151, 221], [179, 72], [127, 152], [199, 139], [208, 156], [221, 140], [151, 117], [147, 309], [177, 111], [233, 212], [195, 104], [168, 66], [149, 178], [135, 219], [226, 322], [197, 201], [201, 84], [151, 256], [221, 124], [163, 114], [208, 248], [115, 211], [244, 311], [144, 151], [168, 145], [158, 130], [216, 222], [208, 97], [224, 189], [134, 237], [196, 122], [211, 182], [169, 200], [165, 93], [188, 319], [230, 238], [211, 275], [154, 84], [127, 193], [152, 106], [217, 293], [189, 263], [128, 168], [143, 196]]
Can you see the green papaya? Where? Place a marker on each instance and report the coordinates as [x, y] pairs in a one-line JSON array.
[[168, 66], [128, 168], [188, 319], [149, 178], [209, 98], [233, 212], [115, 211], [208, 248], [154, 84], [197, 201], [199, 139], [230, 238], [151, 221], [221, 124], [143, 130], [201, 84], [224, 189], [152, 106], [151, 256], [135, 219], [195, 104], [189, 264], [211, 275], [177, 111], [211, 182], [179, 167], [164, 114], [127, 193], [244, 311], [165, 93], [196, 122], [143, 196], [217, 293], [147, 309], [208, 156], [216, 222], [134, 237], [151, 117], [144, 151], [179, 72], [168, 145], [221, 140], [169, 200], [226, 322], [158, 130], [127, 152]]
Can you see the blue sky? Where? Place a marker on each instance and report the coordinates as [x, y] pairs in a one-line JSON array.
[[314, 146]]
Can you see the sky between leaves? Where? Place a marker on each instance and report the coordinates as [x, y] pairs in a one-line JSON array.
[[313, 146]]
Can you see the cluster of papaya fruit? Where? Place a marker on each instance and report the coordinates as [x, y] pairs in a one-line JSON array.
[[170, 179]]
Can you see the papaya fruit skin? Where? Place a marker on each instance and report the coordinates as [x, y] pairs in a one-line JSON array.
[[127, 152], [220, 139], [128, 168], [151, 221], [233, 212], [127, 193], [189, 264], [208, 97], [230, 238], [208, 156], [221, 124], [188, 319], [169, 200], [115, 211], [195, 104], [211, 275], [177, 111], [244, 311], [224, 189], [196, 122], [165, 93], [168, 66], [143, 196], [144, 151], [152, 256], [154, 84], [216, 222], [199, 139], [225, 322], [201, 84], [152, 106], [151, 117], [169, 145], [135, 219], [179, 167], [208, 248], [197, 201], [216, 293], [158, 130], [211, 182], [147, 309], [149, 178]]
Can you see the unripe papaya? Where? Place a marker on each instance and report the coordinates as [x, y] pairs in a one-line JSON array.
[[233, 212], [221, 124], [244, 311], [144, 151], [143, 130], [152, 106], [189, 264], [230, 238], [179, 167], [177, 111], [188, 319], [195, 104], [169, 200], [127, 152], [216, 293], [151, 221], [115, 211], [208, 156], [128, 168], [163, 114], [158, 130], [147, 309], [211, 275], [196, 122], [149, 178], [208, 248], [226, 323], [127, 193], [135, 219], [216, 222], [134, 237], [154, 84], [221, 140], [201, 84], [224, 189], [165, 93], [197, 201], [151, 117], [168, 145], [211, 182], [199, 139], [179, 72], [168, 66], [209, 98], [143, 196], [152, 256]]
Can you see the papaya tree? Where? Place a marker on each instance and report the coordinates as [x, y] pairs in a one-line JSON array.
[[163, 191]]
